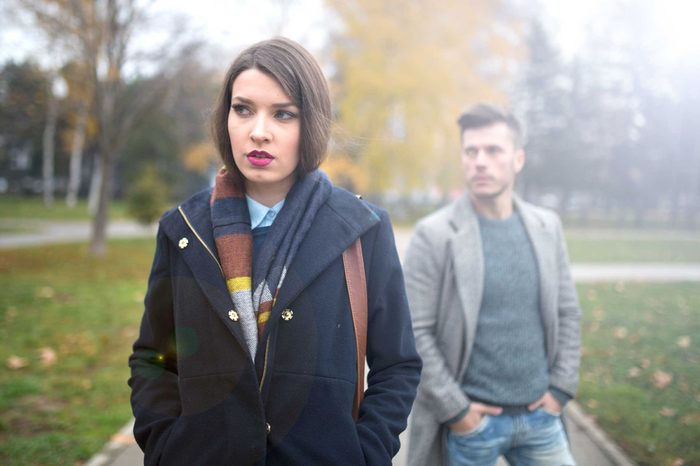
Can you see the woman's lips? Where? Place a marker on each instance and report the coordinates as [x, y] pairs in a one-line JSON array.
[[259, 158]]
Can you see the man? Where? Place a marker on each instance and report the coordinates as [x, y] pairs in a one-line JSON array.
[[495, 314]]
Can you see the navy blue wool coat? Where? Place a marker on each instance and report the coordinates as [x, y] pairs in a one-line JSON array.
[[199, 398]]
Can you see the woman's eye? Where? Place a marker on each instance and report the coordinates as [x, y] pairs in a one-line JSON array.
[[241, 110], [285, 115]]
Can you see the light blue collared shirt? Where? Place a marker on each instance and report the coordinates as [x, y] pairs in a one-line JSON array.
[[262, 215]]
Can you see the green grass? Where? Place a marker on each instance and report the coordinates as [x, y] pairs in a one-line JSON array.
[[86, 311], [640, 373], [32, 207], [627, 247], [13, 229]]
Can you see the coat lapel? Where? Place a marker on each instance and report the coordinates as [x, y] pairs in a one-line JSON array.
[[542, 244], [465, 248], [192, 222]]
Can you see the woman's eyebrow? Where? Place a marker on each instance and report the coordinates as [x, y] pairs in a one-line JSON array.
[[250, 102]]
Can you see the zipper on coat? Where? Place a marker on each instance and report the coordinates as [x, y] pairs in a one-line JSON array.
[[187, 221], [199, 238]]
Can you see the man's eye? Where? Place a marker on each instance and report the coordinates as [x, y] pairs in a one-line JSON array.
[[493, 150], [241, 110], [285, 115], [470, 152]]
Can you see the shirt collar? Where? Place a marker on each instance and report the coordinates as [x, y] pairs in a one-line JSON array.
[[262, 215]]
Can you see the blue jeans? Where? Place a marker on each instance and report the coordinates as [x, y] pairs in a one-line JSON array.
[[531, 439]]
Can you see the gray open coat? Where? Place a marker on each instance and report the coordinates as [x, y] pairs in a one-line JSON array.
[[444, 272]]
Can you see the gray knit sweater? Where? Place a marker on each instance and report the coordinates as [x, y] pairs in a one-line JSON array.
[[508, 364]]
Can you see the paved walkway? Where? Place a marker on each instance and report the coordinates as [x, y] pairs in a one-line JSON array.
[[590, 445], [34, 233]]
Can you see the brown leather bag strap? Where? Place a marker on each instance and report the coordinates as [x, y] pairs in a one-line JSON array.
[[357, 291]]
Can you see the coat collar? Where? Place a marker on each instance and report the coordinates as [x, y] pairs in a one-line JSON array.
[[337, 225]]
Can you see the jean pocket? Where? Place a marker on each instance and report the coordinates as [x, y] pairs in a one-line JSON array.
[[485, 419], [551, 413]]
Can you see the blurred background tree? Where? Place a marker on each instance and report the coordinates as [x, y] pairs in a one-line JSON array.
[[611, 125], [401, 73]]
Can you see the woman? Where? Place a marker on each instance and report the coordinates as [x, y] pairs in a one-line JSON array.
[[246, 353]]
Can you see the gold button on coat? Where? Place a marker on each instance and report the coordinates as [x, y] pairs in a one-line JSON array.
[[233, 315], [287, 314]]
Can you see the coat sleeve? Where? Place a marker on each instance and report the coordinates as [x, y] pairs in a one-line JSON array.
[[391, 354], [425, 272], [155, 397], [564, 372]]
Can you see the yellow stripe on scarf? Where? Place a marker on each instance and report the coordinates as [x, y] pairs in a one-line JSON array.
[[239, 284], [263, 317]]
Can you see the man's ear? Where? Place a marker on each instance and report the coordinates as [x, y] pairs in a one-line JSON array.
[[519, 160]]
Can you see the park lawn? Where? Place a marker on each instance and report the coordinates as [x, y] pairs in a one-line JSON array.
[[32, 207], [640, 369], [71, 320], [651, 248]]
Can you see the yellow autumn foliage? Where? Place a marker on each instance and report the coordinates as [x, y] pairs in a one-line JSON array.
[[404, 71], [200, 157]]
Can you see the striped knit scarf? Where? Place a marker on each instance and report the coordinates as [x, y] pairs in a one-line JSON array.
[[254, 287]]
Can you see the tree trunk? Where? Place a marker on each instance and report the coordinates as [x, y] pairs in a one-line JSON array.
[[98, 242], [95, 184], [76, 157], [49, 149], [108, 150]]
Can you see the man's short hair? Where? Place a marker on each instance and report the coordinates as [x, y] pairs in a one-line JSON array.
[[483, 115]]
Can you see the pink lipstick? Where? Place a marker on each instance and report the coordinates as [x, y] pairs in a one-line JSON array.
[[259, 158]]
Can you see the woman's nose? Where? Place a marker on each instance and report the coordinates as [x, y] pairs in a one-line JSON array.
[[260, 132]]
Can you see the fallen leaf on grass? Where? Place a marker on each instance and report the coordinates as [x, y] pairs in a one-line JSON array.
[[598, 313], [594, 327], [45, 292], [678, 462], [592, 294], [634, 372], [593, 404], [48, 356], [645, 363], [16, 362], [620, 332], [691, 419], [128, 332], [683, 341], [10, 314], [667, 412], [662, 379]]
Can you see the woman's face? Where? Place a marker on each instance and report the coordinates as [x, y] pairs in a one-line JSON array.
[[264, 128]]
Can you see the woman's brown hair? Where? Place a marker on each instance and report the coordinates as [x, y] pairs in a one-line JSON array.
[[301, 78]]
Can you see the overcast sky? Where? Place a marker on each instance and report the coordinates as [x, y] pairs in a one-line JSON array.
[[232, 24]]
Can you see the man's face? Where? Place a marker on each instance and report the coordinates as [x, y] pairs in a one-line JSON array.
[[490, 161]]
